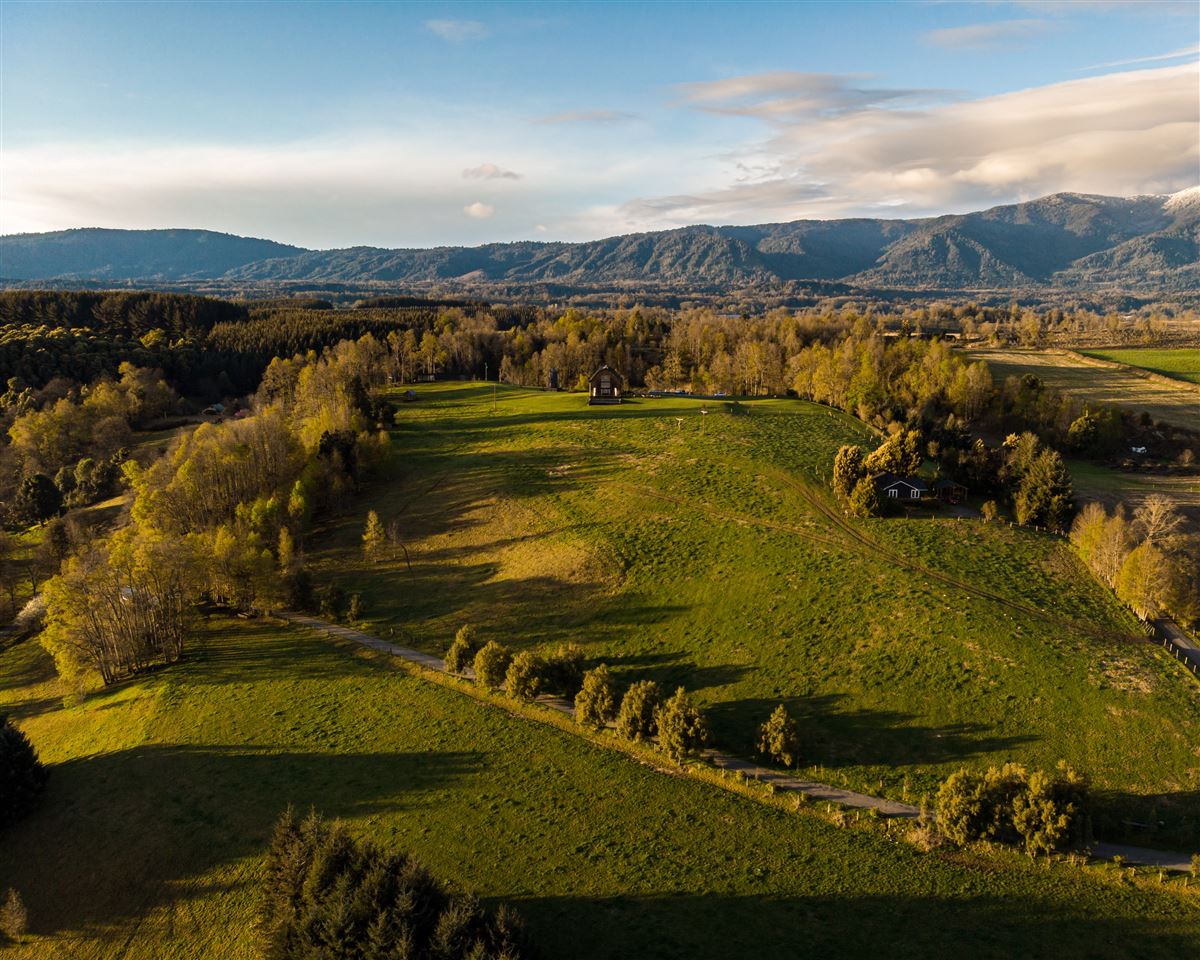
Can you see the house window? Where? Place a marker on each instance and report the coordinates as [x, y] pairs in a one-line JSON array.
[[916, 494], [893, 492]]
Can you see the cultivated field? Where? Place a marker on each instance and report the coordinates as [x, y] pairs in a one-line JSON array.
[[163, 791], [1099, 382], [1181, 363], [708, 554]]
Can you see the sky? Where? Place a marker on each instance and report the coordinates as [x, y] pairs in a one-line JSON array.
[[413, 124]]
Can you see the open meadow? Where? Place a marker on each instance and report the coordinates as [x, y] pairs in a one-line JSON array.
[[148, 845], [1180, 363], [705, 550], [1097, 381]]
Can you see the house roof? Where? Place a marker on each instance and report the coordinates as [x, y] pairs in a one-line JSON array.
[[947, 484], [602, 369], [886, 480]]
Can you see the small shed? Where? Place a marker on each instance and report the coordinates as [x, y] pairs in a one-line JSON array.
[[892, 487], [604, 386], [950, 491]]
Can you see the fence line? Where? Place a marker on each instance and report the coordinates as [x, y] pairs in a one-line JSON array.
[[1183, 656]]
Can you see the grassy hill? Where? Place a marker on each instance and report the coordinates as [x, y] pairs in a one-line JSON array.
[[707, 553], [163, 790]]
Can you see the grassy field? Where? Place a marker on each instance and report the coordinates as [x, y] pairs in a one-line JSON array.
[[707, 554], [1180, 363], [163, 790], [1095, 382]]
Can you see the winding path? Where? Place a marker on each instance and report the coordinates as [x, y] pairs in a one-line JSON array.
[[1166, 860]]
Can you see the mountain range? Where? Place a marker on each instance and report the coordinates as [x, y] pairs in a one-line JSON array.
[[1066, 240]]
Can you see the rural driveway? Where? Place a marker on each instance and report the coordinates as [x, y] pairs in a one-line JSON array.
[[1167, 860]]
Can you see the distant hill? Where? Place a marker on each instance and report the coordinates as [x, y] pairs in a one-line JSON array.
[[94, 253], [1066, 240]]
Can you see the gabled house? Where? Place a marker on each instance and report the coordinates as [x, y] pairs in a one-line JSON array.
[[892, 487], [604, 386]]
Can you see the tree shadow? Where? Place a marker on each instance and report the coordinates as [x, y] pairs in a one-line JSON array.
[[674, 669], [903, 925], [835, 737], [1168, 821], [118, 833]]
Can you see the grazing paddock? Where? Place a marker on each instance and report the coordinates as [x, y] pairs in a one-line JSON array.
[[710, 555], [1098, 381], [149, 842], [1180, 364]]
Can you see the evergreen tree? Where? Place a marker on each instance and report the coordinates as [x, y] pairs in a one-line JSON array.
[[682, 729], [374, 538], [778, 739], [22, 776], [637, 720], [596, 702], [491, 664], [847, 469]]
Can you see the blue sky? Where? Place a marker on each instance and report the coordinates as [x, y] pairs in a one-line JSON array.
[[331, 124]]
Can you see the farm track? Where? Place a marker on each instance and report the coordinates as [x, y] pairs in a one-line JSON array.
[[783, 782]]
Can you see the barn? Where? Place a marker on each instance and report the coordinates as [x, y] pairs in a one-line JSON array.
[[605, 386]]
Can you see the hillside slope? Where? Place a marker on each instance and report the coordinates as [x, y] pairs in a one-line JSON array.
[[1064, 240], [94, 253]]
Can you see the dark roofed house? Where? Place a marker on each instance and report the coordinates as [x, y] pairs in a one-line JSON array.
[[605, 386], [892, 487], [950, 491]]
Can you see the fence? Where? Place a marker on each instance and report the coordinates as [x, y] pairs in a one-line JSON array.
[[1189, 658]]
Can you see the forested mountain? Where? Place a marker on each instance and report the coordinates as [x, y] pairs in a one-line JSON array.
[[98, 254], [1065, 240]]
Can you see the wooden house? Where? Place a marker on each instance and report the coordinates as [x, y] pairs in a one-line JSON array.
[[604, 386], [892, 487]]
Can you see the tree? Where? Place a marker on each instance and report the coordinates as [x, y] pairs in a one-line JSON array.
[[326, 896], [989, 511], [374, 538], [564, 670], [462, 651], [1044, 497], [864, 501], [1145, 580], [355, 609], [682, 729], [637, 718], [1083, 432], [22, 776], [847, 469], [37, 500], [14, 918], [1158, 521], [524, 676], [596, 702], [491, 664], [777, 738]]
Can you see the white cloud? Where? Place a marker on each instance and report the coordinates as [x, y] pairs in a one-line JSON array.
[[588, 116], [786, 95], [1122, 134], [489, 171], [1192, 51], [457, 31], [976, 35], [480, 210]]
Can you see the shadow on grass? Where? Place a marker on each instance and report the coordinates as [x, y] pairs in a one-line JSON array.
[[1168, 821], [834, 737], [900, 926], [118, 834]]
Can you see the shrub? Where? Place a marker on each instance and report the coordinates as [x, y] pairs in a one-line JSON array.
[[1053, 812], [864, 500], [682, 729], [636, 719], [298, 588], [524, 676], [1047, 812], [462, 651], [355, 610], [333, 603], [14, 918], [22, 776], [989, 511], [777, 738], [596, 702], [327, 896], [564, 670], [491, 664]]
